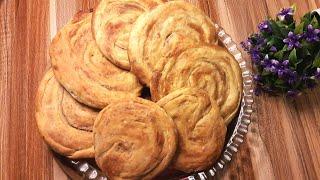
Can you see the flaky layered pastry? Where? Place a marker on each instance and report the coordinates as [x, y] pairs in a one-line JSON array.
[[206, 67], [164, 32], [134, 139], [112, 22], [65, 124], [201, 129], [82, 69]]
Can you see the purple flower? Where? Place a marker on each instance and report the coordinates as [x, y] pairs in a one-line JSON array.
[[311, 84], [260, 41], [317, 74], [280, 69], [270, 90], [257, 77], [271, 68], [264, 26], [271, 65], [285, 63], [292, 40], [246, 45], [280, 73], [312, 35], [265, 62], [275, 62], [257, 91], [273, 49], [291, 76], [308, 81], [256, 56], [285, 14], [293, 93], [284, 72], [254, 43]]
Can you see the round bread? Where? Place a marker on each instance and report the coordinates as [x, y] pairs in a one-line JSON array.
[[65, 124], [112, 22], [165, 32], [82, 69], [210, 68], [134, 139], [201, 129]]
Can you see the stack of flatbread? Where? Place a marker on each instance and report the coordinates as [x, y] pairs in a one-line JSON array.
[[89, 104]]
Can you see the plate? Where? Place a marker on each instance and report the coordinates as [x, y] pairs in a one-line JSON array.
[[237, 129]]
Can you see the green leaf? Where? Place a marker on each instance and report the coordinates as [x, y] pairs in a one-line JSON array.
[[305, 52], [299, 28], [305, 69], [285, 31], [280, 54], [298, 63], [274, 41], [285, 48], [314, 22], [279, 81], [315, 14], [312, 47], [270, 41], [306, 19], [265, 73], [293, 56], [292, 26], [276, 28], [316, 62]]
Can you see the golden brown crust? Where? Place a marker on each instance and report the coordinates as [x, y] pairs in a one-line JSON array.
[[77, 115], [64, 123], [112, 22], [201, 129], [81, 68], [134, 139], [207, 67], [164, 32]]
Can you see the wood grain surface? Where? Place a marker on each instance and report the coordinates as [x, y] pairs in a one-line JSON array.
[[283, 139]]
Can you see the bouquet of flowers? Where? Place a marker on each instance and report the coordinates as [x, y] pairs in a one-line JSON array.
[[286, 54]]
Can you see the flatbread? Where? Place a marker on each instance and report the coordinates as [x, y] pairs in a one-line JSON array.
[[206, 67], [82, 69], [112, 22], [65, 124], [201, 129], [134, 139], [164, 32]]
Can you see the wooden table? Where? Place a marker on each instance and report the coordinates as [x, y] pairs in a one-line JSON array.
[[283, 140]]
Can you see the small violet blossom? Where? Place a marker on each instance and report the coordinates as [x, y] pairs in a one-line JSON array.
[[308, 81], [257, 78], [293, 93], [264, 26], [247, 45], [256, 57], [285, 14], [273, 49], [317, 74], [312, 35], [292, 40]]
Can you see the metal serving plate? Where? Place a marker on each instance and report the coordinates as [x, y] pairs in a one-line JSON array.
[[237, 129]]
